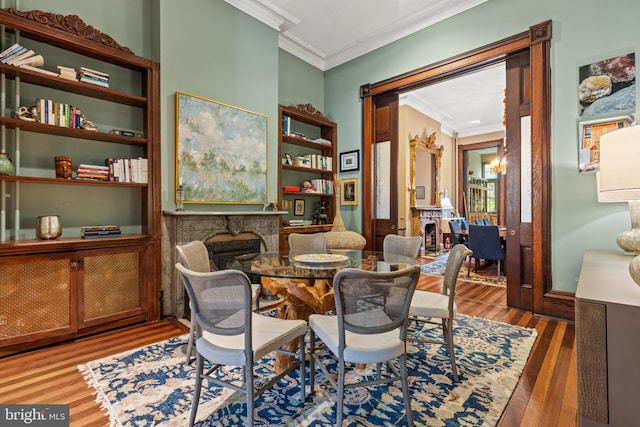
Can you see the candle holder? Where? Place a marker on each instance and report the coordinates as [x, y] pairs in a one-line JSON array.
[[179, 198]]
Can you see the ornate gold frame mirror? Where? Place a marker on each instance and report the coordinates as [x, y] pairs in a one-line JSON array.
[[425, 143]]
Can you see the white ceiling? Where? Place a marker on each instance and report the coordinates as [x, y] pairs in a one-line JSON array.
[[327, 33]]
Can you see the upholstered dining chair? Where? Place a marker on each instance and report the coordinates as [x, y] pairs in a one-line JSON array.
[[195, 256], [408, 246], [229, 333], [301, 244], [370, 326], [429, 306], [456, 235], [486, 245]]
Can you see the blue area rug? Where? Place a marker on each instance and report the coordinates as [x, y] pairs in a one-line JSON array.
[[487, 275], [152, 386]]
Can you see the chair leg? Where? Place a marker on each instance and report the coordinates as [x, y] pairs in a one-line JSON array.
[[303, 377], [196, 393], [312, 354], [499, 262], [192, 333], [405, 389], [447, 330], [248, 385], [340, 403]]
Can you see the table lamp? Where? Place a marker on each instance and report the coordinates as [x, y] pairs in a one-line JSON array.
[[619, 181]]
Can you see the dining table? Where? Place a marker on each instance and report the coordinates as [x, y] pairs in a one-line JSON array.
[[305, 281]]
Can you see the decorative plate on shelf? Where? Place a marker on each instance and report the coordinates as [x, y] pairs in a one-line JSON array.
[[320, 258]]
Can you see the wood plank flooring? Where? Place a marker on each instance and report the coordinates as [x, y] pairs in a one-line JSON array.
[[546, 395]]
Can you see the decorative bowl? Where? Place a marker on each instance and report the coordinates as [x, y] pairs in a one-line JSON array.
[[49, 227]]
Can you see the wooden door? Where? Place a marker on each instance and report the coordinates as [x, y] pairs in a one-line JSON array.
[[385, 156], [518, 182]]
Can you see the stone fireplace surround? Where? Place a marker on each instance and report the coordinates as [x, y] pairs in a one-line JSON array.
[[180, 227]]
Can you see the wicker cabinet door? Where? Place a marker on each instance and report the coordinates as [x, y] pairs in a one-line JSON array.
[[34, 298], [111, 284]]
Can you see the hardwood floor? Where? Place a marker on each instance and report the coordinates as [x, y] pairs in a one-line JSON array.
[[545, 396]]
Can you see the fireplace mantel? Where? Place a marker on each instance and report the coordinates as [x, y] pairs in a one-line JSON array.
[[180, 227]]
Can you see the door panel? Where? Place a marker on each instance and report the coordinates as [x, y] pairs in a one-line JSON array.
[[518, 183], [385, 168]]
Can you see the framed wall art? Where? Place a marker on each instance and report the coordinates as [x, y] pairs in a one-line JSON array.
[[298, 207], [421, 192], [589, 133], [221, 152], [349, 192], [350, 161]]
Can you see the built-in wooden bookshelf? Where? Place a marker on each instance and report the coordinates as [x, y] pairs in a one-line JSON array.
[[307, 152], [73, 286]]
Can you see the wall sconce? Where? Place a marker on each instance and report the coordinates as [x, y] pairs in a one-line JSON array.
[[498, 165], [619, 181]]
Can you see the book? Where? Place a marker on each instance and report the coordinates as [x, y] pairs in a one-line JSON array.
[[25, 54], [39, 70], [89, 71], [101, 235], [93, 81], [9, 50], [126, 133], [13, 54], [34, 61]]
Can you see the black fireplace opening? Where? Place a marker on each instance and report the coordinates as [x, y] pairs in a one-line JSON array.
[[430, 229], [222, 253]]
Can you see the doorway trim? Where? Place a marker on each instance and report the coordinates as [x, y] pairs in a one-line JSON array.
[[538, 41]]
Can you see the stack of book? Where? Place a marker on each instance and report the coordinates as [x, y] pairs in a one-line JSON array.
[[57, 113], [98, 78], [92, 231], [291, 189], [86, 171], [19, 55], [295, 222], [67, 73]]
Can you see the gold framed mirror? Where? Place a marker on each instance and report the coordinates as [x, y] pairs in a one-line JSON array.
[[427, 156]]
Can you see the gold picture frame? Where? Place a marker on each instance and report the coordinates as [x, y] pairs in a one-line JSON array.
[[349, 192]]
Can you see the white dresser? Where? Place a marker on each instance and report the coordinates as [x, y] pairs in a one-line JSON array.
[[608, 342]]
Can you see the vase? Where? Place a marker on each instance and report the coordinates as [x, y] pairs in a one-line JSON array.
[[6, 167]]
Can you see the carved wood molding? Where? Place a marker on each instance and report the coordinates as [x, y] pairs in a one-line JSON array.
[[71, 24], [309, 109], [540, 33]]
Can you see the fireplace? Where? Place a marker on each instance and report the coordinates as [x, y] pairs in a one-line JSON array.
[[430, 236], [228, 233]]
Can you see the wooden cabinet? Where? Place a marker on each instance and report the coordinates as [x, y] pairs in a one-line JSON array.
[[607, 343], [307, 149], [86, 285]]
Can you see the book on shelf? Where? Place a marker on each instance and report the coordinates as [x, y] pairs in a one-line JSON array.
[[13, 54], [294, 222], [291, 189], [99, 234], [94, 81], [9, 50], [85, 228], [126, 133], [322, 141], [286, 124], [94, 73], [34, 61], [39, 70], [24, 55], [67, 73]]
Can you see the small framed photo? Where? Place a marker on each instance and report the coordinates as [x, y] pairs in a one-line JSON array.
[[286, 205], [350, 161], [421, 192], [349, 192], [298, 208]]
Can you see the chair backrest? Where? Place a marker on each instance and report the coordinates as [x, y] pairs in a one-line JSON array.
[[456, 257], [195, 257], [465, 223], [486, 221], [484, 241], [479, 222], [221, 300], [369, 302], [300, 244], [455, 226], [408, 246]]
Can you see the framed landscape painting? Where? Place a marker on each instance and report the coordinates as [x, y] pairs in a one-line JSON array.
[[221, 152]]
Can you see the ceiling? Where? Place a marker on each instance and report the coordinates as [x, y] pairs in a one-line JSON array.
[[327, 33]]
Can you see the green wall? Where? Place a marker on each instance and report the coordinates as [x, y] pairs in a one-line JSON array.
[[210, 49]]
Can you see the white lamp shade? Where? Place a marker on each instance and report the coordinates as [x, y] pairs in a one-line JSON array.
[[619, 176]]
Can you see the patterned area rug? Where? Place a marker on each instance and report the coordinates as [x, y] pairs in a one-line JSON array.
[[487, 275], [152, 386]]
